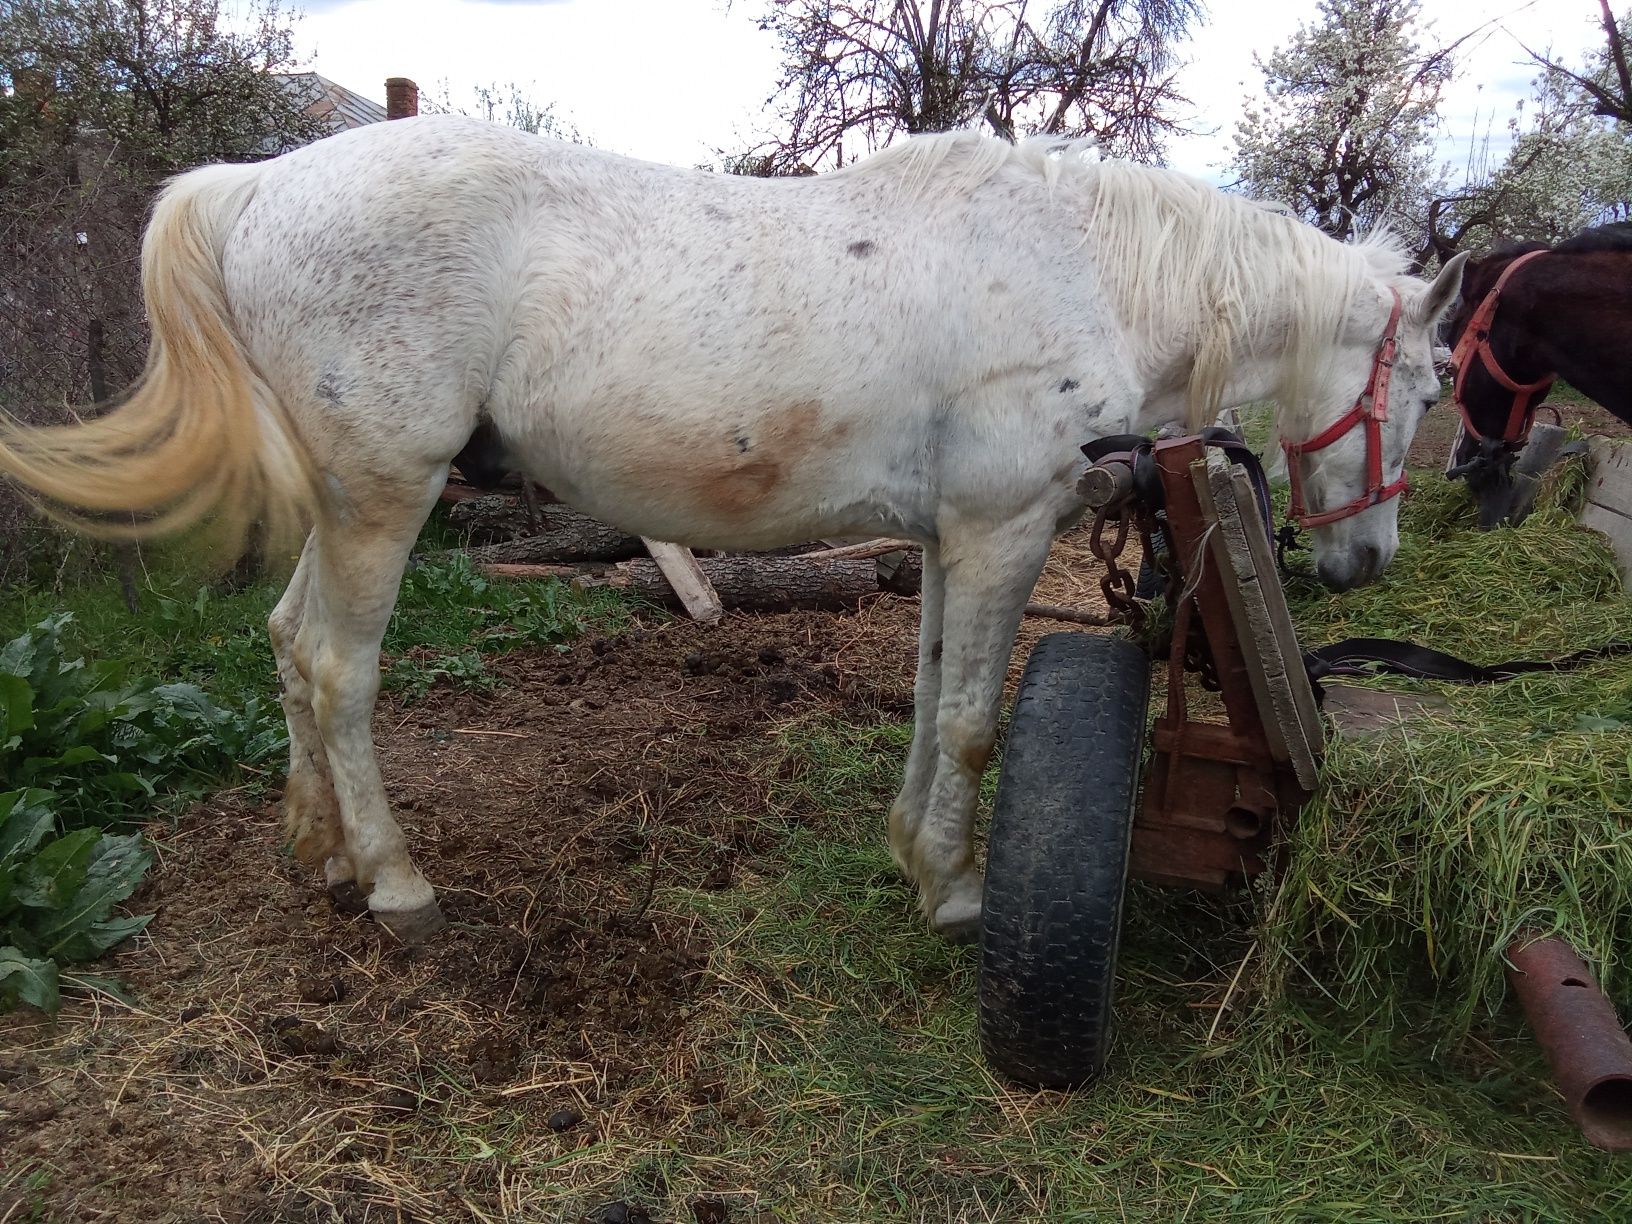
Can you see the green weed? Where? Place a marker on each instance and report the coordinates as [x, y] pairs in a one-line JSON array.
[[57, 896]]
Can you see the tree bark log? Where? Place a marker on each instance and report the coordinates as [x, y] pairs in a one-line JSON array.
[[500, 529], [748, 583]]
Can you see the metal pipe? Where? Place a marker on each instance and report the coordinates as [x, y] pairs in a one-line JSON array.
[[1577, 1029], [1107, 483]]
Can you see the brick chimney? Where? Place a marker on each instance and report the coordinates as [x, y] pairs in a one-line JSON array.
[[401, 98]]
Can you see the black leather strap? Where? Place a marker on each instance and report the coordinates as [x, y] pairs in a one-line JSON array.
[[1371, 656]]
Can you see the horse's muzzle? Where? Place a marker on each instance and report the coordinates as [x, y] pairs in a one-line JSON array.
[[1355, 568]]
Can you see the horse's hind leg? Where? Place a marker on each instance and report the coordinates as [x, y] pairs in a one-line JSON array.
[[907, 812], [357, 559], [989, 573], [311, 812]]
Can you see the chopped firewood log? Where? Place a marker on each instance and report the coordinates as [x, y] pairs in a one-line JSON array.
[[753, 583], [499, 528]]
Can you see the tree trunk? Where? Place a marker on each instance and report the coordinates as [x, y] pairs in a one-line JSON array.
[[500, 528], [748, 583]]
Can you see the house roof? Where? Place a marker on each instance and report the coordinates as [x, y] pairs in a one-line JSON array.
[[342, 108]]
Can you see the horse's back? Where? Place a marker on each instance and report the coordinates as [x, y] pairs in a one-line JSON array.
[[773, 350]]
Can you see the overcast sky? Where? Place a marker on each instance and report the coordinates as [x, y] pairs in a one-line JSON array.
[[673, 80]]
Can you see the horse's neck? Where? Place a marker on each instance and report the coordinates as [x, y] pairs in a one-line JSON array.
[[1583, 332]]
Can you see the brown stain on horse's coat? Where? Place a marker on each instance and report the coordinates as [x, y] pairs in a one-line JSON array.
[[739, 471], [975, 755], [745, 478]]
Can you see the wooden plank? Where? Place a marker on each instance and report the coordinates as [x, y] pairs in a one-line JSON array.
[[1618, 527], [1263, 624], [696, 592], [1357, 712], [1256, 670], [1609, 497], [1263, 553], [1609, 479]]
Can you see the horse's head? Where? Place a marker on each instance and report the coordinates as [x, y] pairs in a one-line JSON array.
[[1499, 381], [1348, 468]]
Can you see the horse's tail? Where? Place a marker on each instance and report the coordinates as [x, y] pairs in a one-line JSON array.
[[201, 435]]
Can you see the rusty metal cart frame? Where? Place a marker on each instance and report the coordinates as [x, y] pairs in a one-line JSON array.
[[1215, 793], [1218, 797]]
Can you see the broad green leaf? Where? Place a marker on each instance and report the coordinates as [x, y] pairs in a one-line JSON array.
[[79, 754], [1598, 722], [25, 821], [85, 945], [57, 872], [16, 705], [29, 980], [18, 656], [124, 780], [191, 700], [99, 983], [116, 866]]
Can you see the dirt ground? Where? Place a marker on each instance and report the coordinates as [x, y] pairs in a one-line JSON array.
[[1432, 444], [281, 1052]]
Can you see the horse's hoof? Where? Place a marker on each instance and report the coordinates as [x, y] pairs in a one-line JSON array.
[[348, 898], [957, 920], [412, 927]]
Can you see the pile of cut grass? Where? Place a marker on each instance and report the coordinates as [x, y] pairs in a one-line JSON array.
[[1426, 849], [850, 1030]]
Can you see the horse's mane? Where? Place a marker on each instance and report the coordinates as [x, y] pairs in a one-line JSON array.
[[1614, 237], [1617, 236], [1186, 266]]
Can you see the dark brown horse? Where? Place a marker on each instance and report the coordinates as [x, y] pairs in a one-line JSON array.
[[1531, 314]]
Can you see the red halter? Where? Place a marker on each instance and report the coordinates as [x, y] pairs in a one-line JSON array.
[[1369, 411], [1475, 341]]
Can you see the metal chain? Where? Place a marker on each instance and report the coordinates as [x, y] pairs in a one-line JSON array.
[[1118, 584]]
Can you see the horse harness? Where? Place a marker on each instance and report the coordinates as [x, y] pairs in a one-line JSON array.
[[1369, 412], [1475, 342]]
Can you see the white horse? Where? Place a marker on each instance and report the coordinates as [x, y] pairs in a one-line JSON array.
[[917, 346]]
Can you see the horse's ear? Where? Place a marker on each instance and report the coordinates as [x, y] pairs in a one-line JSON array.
[[1436, 299]]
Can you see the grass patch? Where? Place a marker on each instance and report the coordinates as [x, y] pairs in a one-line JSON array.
[[856, 1088], [1424, 851]]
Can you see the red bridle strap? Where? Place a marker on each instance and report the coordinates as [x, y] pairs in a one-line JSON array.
[[1475, 341], [1369, 411]]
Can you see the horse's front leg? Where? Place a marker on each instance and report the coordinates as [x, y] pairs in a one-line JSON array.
[[907, 812], [989, 572]]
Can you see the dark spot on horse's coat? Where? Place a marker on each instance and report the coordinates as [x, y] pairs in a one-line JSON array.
[[740, 266], [976, 754], [1068, 384], [861, 249], [329, 390], [935, 650], [742, 444]]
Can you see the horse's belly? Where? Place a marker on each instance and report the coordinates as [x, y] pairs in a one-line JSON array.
[[782, 482]]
